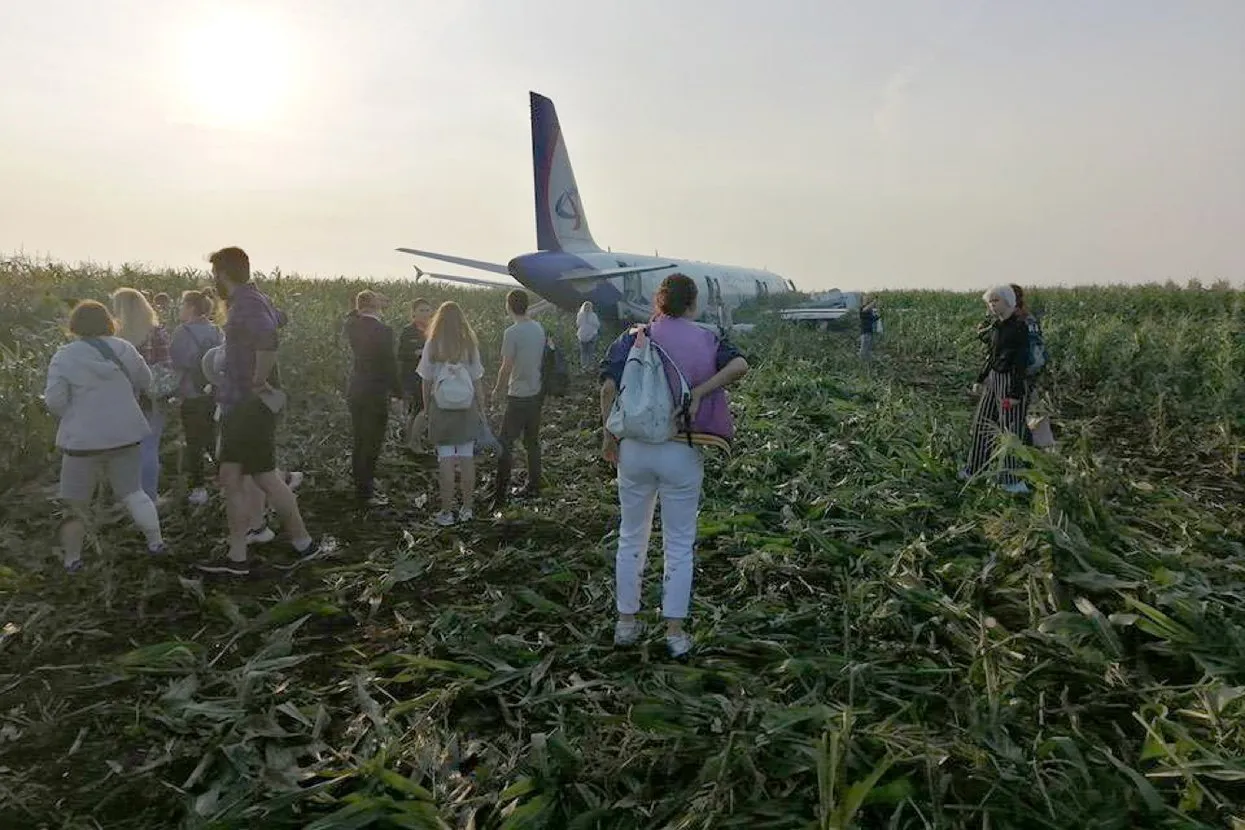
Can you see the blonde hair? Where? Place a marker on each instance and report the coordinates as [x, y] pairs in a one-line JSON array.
[[136, 319], [450, 337], [366, 299]]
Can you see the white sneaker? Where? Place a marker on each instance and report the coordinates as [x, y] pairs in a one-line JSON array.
[[445, 518], [466, 514], [679, 644], [260, 537], [294, 480], [198, 497], [627, 633]]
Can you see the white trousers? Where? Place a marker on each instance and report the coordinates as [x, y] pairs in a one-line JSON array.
[[672, 472]]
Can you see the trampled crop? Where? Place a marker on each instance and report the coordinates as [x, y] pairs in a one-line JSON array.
[[879, 645]]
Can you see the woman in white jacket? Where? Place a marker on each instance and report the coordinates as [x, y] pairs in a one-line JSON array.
[[588, 329], [93, 386]]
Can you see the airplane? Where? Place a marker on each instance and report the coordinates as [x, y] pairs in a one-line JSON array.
[[569, 267]]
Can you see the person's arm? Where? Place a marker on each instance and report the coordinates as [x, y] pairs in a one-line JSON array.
[[609, 444], [1017, 357], [508, 350], [266, 341], [611, 378], [389, 363], [56, 390], [503, 376], [135, 367], [424, 370]]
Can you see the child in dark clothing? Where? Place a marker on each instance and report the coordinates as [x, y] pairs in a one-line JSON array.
[[410, 350]]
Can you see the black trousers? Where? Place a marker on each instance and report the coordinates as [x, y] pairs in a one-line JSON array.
[[522, 418], [200, 434], [369, 419]]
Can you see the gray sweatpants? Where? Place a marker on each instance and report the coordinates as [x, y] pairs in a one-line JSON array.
[[80, 473]]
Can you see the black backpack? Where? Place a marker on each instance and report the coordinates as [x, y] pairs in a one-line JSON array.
[[555, 380]]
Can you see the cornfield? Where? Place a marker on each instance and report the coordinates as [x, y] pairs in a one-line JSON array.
[[878, 644]]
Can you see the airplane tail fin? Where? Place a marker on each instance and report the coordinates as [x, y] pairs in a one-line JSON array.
[[561, 223]]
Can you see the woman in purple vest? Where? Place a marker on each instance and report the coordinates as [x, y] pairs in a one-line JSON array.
[[672, 472]]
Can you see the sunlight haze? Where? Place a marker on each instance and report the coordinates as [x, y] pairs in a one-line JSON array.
[[904, 143]]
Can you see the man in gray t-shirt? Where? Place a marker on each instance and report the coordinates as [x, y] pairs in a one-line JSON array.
[[522, 353]]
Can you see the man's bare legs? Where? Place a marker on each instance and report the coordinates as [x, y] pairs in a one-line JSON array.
[[239, 508], [283, 501]]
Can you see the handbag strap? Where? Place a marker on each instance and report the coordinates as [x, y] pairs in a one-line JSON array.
[[106, 350]]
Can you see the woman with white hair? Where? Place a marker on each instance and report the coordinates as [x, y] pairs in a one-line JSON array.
[[1001, 385], [588, 329], [138, 323]]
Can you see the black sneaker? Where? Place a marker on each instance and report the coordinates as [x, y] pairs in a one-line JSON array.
[[227, 567], [300, 556]]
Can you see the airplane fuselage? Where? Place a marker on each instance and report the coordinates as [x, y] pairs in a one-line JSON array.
[[630, 297]]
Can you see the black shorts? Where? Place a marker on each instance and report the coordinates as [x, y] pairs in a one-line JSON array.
[[248, 436]]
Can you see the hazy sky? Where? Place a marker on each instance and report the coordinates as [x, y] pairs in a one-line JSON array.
[[893, 143]]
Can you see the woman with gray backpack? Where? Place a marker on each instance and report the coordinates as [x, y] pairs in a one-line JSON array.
[[663, 403], [450, 371]]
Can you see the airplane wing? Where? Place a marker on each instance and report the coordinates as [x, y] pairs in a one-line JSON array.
[[457, 260], [421, 274], [609, 273]]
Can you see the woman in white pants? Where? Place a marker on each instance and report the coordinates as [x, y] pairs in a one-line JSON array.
[[673, 472]]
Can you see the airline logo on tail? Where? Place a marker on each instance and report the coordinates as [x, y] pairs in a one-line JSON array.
[[568, 208]]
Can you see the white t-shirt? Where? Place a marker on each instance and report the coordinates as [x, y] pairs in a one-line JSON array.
[[429, 370]]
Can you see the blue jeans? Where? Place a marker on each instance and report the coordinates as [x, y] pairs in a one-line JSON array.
[[150, 451]]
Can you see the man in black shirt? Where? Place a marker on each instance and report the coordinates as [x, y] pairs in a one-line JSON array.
[[373, 380]]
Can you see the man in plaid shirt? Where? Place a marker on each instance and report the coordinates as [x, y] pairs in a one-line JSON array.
[[248, 427]]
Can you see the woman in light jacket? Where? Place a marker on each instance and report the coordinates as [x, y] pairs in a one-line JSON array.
[[673, 471], [92, 387], [139, 323], [587, 330]]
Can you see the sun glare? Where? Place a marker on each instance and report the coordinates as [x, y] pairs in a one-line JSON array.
[[237, 72]]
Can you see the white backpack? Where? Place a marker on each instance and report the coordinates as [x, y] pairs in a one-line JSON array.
[[454, 389], [644, 409]]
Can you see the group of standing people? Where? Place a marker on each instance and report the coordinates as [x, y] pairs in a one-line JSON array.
[[112, 388], [108, 387], [437, 372]]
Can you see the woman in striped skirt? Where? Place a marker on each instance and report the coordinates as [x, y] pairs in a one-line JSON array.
[[1002, 386]]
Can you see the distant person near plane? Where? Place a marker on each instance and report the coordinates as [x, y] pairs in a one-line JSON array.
[[868, 327]]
